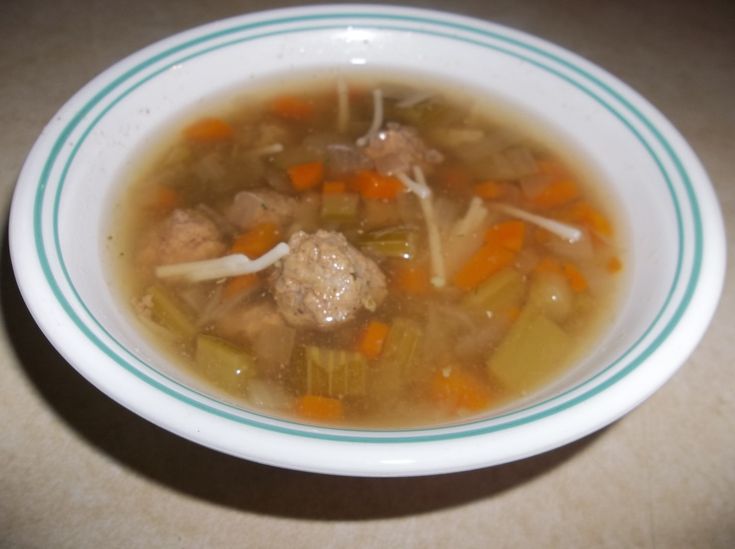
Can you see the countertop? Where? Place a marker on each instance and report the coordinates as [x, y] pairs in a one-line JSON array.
[[77, 470]]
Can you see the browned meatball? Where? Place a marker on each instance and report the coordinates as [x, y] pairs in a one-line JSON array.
[[250, 208], [185, 235], [324, 281], [398, 148]]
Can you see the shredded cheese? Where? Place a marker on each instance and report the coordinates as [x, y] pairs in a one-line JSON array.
[[567, 232], [222, 267], [377, 118]]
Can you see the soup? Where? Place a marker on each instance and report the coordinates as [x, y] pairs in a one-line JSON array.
[[364, 252]]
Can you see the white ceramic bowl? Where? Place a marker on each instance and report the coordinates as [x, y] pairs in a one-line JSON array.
[[675, 261]]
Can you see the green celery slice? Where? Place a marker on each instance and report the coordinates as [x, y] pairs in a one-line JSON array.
[[335, 372], [401, 347], [170, 312], [225, 364], [394, 242], [340, 208]]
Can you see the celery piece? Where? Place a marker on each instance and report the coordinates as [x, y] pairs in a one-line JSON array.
[[335, 372], [170, 312], [401, 347], [340, 208], [395, 242], [534, 350], [225, 364], [502, 290]]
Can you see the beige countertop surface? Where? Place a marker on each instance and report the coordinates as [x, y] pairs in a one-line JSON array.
[[77, 470]]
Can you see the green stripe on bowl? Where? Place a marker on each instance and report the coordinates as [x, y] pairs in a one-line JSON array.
[[119, 88]]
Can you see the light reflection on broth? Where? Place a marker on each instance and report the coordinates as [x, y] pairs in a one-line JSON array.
[[442, 261]]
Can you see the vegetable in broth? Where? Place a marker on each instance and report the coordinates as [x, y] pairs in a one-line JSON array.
[[367, 253]]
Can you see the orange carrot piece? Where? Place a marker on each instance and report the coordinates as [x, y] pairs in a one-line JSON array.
[[256, 241], [334, 187], [489, 190], [238, 284], [555, 194], [306, 176], [209, 130], [542, 236], [552, 168], [454, 177], [164, 199], [576, 279], [292, 108], [512, 313], [583, 213], [508, 234], [502, 242], [485, 262], [371, 184], [410, 278], [372, 339], [320, 408], [614, 265], [548, 265], [457, 389]]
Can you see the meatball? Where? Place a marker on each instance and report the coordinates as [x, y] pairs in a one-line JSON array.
[[398, 148], [250, 208], [324, 281], [185, 235]]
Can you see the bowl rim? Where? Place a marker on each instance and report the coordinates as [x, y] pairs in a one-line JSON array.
[[692, 313]]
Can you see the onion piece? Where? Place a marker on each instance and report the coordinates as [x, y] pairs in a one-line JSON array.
[[377, 118], [564, 231], [422, 190], [222, 267]]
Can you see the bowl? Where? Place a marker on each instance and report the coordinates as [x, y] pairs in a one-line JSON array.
[[676, 242]]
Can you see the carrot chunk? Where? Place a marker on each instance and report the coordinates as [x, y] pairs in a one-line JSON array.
[[291, 107], [576, 279], [548, 264], [238, 284], [371, 184], [454, 178], [306, 176], [555, 194], [257, 241], [411, 278], [614, 265], [502, 242], [320, 408], [456, 389], [372, 339], [508, 234], [489, 190], [163, 199], [584, 214], [209, 130], [485, 262]]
